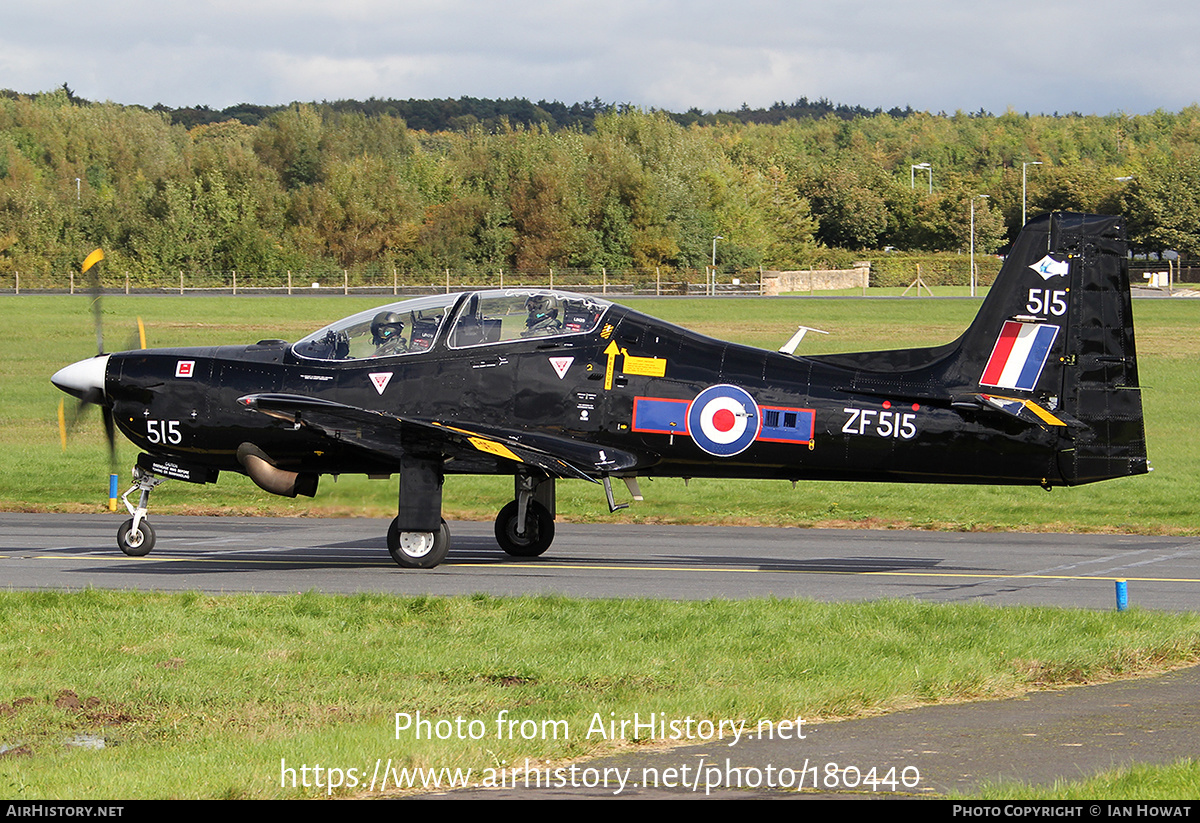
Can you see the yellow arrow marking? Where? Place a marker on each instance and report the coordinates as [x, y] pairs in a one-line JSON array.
[[612, 351]]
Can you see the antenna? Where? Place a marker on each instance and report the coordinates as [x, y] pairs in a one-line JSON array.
[[790, 346]]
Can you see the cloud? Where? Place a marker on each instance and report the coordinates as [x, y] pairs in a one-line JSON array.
[[1032, 55]]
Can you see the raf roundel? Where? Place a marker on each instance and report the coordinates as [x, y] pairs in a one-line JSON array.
[[723, 420]]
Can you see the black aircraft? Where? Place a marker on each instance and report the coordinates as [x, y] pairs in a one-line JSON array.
[[1042, 389]]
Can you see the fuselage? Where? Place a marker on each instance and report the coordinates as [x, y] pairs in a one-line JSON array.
[[631, 383]]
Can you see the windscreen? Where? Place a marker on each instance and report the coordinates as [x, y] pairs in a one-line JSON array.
[[407, 327]]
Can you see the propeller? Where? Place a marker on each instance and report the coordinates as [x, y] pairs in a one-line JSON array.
[[67, 423], [85, 379]]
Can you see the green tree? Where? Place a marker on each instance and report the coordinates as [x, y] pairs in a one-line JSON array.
[[289, 141], [1164, 203]]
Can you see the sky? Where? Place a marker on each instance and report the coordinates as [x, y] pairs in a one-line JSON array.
[[1035, 56]]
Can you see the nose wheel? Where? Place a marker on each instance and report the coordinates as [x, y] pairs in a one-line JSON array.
[[136, 537], [135, 541]]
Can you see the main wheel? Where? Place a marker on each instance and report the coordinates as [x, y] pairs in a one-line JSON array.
[[418, 550], [135, 543], [539, 530]]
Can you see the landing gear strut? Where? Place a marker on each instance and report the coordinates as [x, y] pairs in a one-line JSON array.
[[136, 537], [418, 537], [525, 527]]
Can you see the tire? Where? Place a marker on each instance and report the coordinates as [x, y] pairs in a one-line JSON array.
[[539, 530], [135, 544], [418, 550]]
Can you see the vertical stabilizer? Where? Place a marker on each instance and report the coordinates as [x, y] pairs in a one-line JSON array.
[[1056, 332]]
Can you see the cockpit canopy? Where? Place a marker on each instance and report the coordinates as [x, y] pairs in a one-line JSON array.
[[458, 321]]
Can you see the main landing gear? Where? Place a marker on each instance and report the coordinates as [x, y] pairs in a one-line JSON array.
[[419, 539], [525, 527], [136, 537], [418, 550]]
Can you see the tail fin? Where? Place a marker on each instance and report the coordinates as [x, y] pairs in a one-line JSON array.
[[1055, 336]]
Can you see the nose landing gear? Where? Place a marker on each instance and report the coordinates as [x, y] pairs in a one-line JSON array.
[[136, 537]]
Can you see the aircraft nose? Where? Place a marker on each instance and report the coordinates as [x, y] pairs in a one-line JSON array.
[[82, 379]]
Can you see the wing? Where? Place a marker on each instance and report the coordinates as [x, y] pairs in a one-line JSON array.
[[391, 437]]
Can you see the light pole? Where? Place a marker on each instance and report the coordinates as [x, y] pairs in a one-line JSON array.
[[912, 175], [713, 275], [1025, 166], [973, 199]]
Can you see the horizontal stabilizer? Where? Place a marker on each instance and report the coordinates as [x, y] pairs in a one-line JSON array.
[[1022, 409]]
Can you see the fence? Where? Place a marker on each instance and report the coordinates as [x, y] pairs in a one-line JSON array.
[[1166, 275], [396, 282], [890, 270]]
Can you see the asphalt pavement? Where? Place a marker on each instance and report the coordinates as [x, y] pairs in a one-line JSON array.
[[271, 554], [1068, 734]]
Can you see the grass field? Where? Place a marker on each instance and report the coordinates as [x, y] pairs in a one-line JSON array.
[[200, 696], [1178, 781], [40, 334]]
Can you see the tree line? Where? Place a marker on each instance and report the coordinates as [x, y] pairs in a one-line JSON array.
[[316, 187], [459, 114]]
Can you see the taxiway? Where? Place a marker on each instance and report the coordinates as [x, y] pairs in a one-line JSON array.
[[260, 554]]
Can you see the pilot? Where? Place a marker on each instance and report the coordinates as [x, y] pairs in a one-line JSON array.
[[387, 331], [578, 316], [543, 316]]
